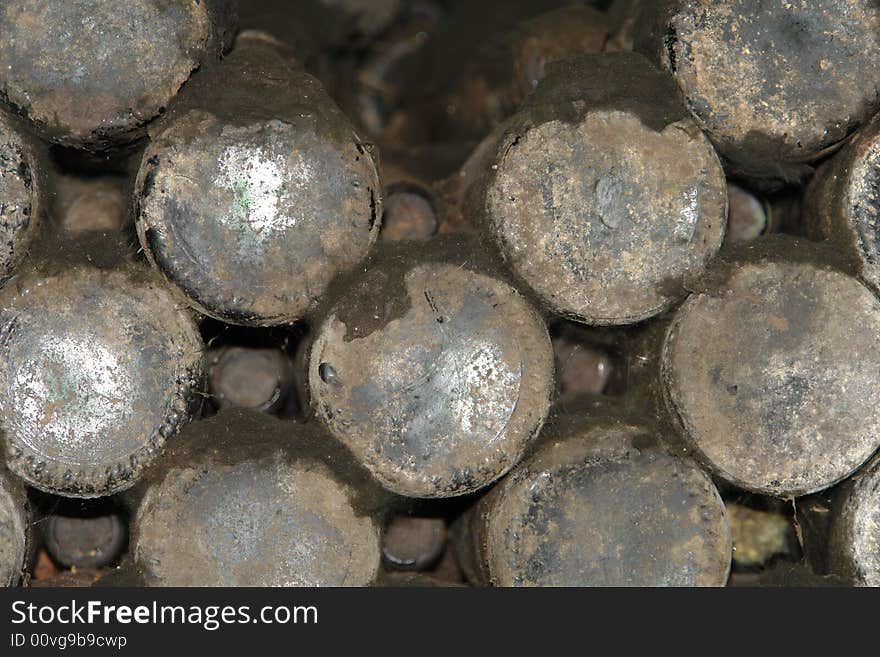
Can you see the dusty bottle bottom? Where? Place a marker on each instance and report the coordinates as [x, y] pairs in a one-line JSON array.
[[259, 503], [855, 541], [123, 68], [21, 194], [763, 404], [437, 377], [250, 204], [604, 208], [91, 392], [605, 506], [14, 527]]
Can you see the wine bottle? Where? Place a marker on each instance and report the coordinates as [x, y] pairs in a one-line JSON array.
[[86, 204], [602, 195], [84, 537], [409, 207], [436, 375], [256, 501], [14, 530], [854, 548], [412, 542], [98, 368], [92, 74], [256, 191], [775, 85], [601, 503], [261, 379], [21, 193], [770, 369], [842, 203]]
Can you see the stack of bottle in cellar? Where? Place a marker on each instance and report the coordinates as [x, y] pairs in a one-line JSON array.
[[439, 292]]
